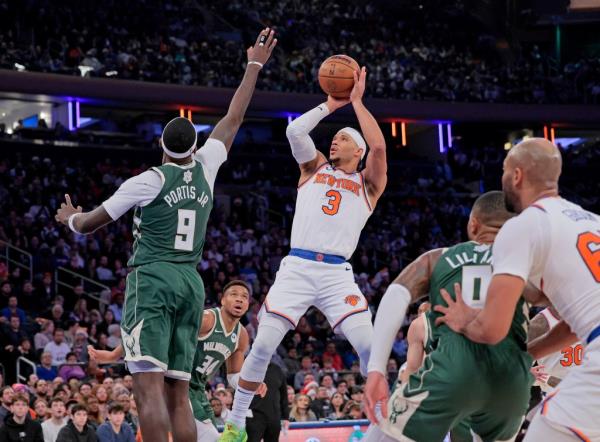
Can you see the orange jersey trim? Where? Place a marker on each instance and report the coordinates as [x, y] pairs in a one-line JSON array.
[[579, 434], [364, 187], [353, 312], [545, 403], [312, 175], [276, 313], [537, 206]]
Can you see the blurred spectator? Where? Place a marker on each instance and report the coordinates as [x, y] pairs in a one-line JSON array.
[[46, 370], [332, 354], [13, 310], [337, 405], [44, 336], [6, 398], [77, 429], [219, 410], [306, 367], [301, 411], [19, 426], [115, 430], [321, 405], [71, 369], [57, 348], [57, 421]]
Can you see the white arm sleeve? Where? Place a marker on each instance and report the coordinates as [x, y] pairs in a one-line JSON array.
[[388, 321], [211, 156], [521, 245], [139, 190], [303, 147]]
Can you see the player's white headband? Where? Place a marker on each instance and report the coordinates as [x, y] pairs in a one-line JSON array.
[[358, 139], [178, 131]]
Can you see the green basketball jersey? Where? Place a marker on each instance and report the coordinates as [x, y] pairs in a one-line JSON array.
[[470, 265], [173, 226], [213, 349]]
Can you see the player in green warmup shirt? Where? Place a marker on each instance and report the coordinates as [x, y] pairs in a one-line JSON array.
[[165, 295], [221, 340], [459, 379]]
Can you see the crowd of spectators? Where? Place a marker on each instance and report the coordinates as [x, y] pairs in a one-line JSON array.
[[52, 325], [422, 51]]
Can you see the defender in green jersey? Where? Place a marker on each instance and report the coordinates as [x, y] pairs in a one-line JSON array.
[[460, 379], [165, 295], [221, 340]]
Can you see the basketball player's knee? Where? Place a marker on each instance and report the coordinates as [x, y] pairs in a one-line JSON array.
[[269, 336]]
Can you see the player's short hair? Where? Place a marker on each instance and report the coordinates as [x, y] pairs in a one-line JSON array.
[[490, 209], [179, 136], [238, 282]]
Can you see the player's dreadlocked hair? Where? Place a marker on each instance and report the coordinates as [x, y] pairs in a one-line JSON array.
[[490, 209]]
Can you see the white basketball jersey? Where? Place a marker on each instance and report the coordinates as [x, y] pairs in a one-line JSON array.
[[567, 269], [558, 364], [331, 210]]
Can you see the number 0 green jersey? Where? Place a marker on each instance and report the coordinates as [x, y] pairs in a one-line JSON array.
[[173, 226], [470, 265]]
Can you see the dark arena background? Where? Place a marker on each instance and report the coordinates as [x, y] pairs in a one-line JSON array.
[[87, 88]]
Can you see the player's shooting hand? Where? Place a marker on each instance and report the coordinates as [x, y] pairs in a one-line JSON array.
[[458, 314], [376, 391], [66, 210], [262, 390], [360, 81], [334, 104], [262, 49]]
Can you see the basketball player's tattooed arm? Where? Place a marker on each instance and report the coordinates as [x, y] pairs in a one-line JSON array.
[[415, 277], [375, 172], [84, 222], [236, 360], [258, 55]]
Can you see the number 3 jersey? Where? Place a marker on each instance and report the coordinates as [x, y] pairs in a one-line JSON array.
[[470, 265], [555, 245], [213, 349], [332, 208]]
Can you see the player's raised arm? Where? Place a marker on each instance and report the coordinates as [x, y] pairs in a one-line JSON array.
[[258, 55], [410, 285], [415, 339], [79, 221], [375, 172], [303, 146]]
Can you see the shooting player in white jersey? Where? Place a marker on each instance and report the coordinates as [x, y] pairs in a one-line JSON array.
[[334, 201]]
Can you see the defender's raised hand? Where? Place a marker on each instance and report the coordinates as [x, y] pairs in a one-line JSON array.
[[261, 51]]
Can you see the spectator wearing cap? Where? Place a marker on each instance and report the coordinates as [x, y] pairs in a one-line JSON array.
[[46, 370], [115, 430], [57, 348], [13, 309]]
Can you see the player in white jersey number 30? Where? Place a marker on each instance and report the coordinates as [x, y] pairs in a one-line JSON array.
[[553, 244], [334, 201]]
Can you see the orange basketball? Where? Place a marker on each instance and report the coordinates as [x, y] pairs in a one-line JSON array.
[[336, 76]]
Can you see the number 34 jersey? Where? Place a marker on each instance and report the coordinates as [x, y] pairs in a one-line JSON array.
[[332, 208], [470, 265], [213, 350], [173, 226]]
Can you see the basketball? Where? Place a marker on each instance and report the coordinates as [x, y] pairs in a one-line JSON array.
[[336, 76]]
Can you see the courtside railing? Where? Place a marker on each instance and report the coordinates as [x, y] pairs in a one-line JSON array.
[[16, 257], [68, 279]]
